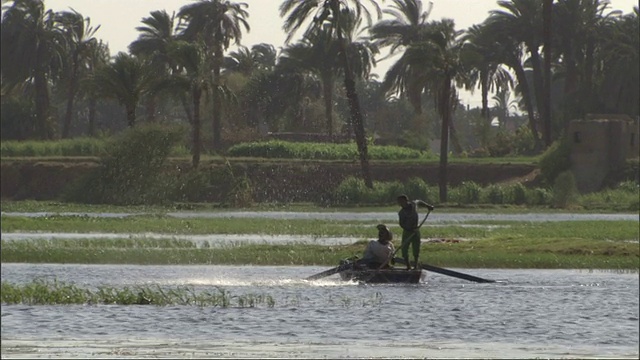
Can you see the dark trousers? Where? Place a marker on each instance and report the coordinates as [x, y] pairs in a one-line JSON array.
[[410, 238]]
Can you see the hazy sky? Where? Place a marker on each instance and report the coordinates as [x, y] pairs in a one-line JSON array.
[[119, 18]]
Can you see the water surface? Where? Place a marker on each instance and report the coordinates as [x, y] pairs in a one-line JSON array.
[[531, 313]]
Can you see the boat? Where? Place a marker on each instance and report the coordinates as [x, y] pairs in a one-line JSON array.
[[352, 271]]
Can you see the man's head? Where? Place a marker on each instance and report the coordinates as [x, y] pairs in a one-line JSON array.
[[384, 234], [403, 200]]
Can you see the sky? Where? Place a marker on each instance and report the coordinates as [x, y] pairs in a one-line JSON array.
[[119, 18]]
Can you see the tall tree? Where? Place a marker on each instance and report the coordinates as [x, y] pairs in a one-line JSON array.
[[261, 57], [486, 65], [618, 85], [216, 24], [32, 50], [319, 53], [407, 26], [521, 20], [334, 13], [439, 64], [126, 80], [191, 77], [79, 40], [156, 34], [98, 58]]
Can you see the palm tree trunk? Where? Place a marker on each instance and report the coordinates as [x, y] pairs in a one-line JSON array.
[[71, 94], [484, 88], [197, 141], [445, 113], [92, 116], [354, 102], [546, 93], [538, 85], [528, 102], [151, 109], [42, 105], [216, 100], [327, 89], [131, 115]]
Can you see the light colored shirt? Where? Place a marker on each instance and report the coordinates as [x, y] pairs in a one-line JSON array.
[[378, 252]]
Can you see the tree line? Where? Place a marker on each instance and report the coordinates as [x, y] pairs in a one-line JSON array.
[[560, 59]]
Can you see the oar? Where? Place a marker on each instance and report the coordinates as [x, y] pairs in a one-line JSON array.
[[329, 272], [452, 273]]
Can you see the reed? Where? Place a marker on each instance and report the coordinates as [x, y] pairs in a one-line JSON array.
[[41, 292]]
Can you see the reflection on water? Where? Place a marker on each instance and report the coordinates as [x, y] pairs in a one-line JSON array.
[[533, 313]]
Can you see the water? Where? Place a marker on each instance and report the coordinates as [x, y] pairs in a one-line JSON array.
[[531, 313]]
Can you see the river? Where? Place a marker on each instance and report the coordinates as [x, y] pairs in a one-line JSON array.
[[529, 313]]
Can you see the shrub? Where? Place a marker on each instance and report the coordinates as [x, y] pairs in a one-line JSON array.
[[518, 194], [468, 193], [524, 142], [351, 190], [538, 196], [555, 160], [501, 145], [320, 151], [130, 171], [416, 188], [495, 194], [565, 192]]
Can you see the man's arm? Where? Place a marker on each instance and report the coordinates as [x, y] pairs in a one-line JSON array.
[[424, 204]]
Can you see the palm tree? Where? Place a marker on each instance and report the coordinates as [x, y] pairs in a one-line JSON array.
[[486, 67], [152, 44], [547, 6], [190, 78], [261, 57], [217, 24], [578, 24], [511, 52], [98, 57], [408, 26], [522, 21], [126, 80], [334, 13], [316, 53], [439, 65], [32, 50], [79, 36], [620, 76], [319, 53]]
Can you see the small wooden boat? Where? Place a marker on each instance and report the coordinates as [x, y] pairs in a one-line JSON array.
[[353, 271]]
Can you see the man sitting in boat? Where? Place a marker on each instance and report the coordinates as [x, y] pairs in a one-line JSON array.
[[379, 253]]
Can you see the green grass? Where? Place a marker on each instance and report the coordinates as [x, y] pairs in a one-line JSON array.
[[594, 230], [40, 292], [551, 252]]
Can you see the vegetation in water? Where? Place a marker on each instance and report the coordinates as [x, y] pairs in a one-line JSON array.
[[41, 292]]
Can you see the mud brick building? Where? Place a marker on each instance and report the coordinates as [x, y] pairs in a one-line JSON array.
[[601, 144]]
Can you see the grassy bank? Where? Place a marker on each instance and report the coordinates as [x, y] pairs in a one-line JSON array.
[[477, 230], [548, 253], [485, 244]]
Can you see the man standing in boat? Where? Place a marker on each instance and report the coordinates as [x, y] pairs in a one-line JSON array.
[[408, 220], [379, 252]]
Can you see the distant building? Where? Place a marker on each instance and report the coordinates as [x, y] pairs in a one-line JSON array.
[[601, 144]]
